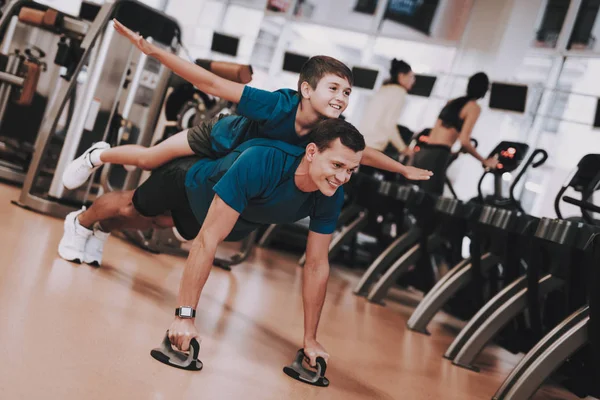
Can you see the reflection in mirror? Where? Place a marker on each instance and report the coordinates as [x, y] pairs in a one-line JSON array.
[[580, 75], [551, 23], [366, 6], [258, 4], [338, 13], [420, 19], [269, 33], [423, 57], [279, 6], [586, 28]]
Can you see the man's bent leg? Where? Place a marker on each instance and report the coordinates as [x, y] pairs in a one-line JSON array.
[[108, 206], [75, 236], [129, 219], [79, 227]]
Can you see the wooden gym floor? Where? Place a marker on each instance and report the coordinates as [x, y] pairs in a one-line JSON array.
[[76, 332]]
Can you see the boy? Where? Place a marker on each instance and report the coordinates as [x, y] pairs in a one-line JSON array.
[[323, 91]]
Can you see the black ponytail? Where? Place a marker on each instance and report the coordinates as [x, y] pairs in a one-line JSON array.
[[397, 67]]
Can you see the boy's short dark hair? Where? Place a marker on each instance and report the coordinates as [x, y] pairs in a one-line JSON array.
[[318, 66], [331, 129]]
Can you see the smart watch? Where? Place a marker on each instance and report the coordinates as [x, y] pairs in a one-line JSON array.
[[185, 312]]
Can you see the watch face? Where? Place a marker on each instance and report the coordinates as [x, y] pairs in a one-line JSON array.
[[185, 312]]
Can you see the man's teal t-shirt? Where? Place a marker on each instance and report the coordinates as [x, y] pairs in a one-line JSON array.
[[257, 180], [262, 114]]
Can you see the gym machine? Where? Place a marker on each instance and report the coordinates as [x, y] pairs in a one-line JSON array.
[[575, 331], [383, 274], [502, 228], [558, 239], [30, 77], [121, 93]]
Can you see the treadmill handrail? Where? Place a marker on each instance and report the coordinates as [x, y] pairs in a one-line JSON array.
[[582, 204], [534, 164]]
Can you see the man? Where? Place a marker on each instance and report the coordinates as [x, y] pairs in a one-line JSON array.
[[261, 182]]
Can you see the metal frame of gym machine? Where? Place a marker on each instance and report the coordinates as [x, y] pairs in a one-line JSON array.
[[462, 274], [507, 304], [579, 328], [26, 80], [93, 48]]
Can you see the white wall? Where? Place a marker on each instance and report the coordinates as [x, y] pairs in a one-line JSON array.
[[496, 40]]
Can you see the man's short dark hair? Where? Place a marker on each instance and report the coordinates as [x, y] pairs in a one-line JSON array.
[[318, 66], [331, 129]]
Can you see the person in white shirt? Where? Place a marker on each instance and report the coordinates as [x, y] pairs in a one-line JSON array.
[[379, 121]]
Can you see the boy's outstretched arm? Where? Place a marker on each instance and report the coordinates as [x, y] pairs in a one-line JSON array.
[[377, 159], [199, 77]]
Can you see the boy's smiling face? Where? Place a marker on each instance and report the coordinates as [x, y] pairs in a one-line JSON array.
[[330, 98]]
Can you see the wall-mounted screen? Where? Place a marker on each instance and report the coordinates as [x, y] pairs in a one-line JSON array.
[[364, 77], [508, 97], [417, 14], [293, 62], [225, 44], [423, 85]]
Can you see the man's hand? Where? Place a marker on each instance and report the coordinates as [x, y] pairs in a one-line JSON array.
[[490, 163], [133, 37], [416, 174], [313, 349], [181, 333]]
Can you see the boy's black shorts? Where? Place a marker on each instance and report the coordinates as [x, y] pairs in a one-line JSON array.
[[199, 137], [164, 192]]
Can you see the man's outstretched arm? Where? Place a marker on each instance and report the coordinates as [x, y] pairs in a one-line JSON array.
[[314, 286], [218, 224]]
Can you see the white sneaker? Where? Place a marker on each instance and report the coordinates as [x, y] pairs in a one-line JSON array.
[[94, 247], [72, 244], [81, 168]]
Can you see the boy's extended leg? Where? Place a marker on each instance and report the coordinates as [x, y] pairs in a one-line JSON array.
[[147, 158]]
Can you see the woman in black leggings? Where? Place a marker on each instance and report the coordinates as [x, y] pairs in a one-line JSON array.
[[455, 122]]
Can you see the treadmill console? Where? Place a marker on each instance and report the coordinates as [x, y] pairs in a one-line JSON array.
[[509, 156]]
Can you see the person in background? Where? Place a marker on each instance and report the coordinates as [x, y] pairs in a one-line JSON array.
[[455, 122], [379, 122]]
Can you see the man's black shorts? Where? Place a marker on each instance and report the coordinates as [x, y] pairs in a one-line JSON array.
[[164, 191]]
